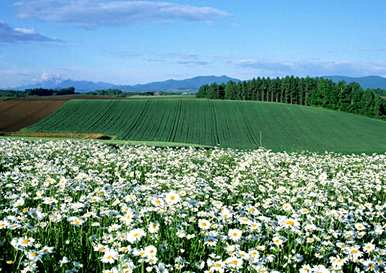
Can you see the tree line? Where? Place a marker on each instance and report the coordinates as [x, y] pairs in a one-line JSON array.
[[119, 93], [50, 92], [304, 91], [37, 92], [11, 93]]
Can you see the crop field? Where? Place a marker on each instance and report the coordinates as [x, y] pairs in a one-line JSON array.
[[236, 124], [80, 206], [16, 114]]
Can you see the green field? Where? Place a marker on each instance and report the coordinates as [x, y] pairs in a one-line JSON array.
[[237, 124]]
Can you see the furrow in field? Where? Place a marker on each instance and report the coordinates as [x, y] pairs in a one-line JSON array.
[[225, 123], [131, 129]]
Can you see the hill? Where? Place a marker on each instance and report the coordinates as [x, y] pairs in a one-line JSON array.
[[372, 82], [237, 124], [80, 86], [191, 84]]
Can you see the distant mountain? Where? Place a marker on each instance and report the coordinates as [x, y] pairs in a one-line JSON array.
[[192, 84], [169, 85], [365, 82], [80, 86]]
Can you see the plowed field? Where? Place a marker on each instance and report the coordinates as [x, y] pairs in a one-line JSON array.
[[16, 114]]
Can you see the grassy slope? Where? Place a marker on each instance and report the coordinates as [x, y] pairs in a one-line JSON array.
[[236, 124]]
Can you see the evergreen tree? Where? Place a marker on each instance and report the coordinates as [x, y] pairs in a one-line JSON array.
[[212, 91], [230, 90], [305, 91]]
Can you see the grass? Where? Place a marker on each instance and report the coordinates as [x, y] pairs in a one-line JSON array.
[[235, 124], [188, 96]]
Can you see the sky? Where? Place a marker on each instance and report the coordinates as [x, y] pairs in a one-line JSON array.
[[129, 42]]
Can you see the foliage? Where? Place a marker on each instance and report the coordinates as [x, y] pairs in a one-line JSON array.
[[380, 92], [11, 93], [238, 124], [37, 92], [50, 92], [120, 93], [106, 92], [304, 91]]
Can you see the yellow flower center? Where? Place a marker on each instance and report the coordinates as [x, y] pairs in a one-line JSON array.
[[234, 262], [290, 222]]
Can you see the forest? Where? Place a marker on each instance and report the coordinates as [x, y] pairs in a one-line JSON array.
[[37, 92], [309, 91], [50, 92]]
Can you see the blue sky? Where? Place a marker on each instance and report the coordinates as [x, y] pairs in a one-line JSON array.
[[127, 41]]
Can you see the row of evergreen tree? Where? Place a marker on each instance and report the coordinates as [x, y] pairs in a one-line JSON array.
[[304, 91]]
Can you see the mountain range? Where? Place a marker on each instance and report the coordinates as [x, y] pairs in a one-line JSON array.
[[366, 82], [192, 84]]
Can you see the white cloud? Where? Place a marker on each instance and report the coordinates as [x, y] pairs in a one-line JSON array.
[[312, 68], [11, 77], [171, 58], [15, 35], [25, 30], [49, 76], [93, 13], [182, 59]]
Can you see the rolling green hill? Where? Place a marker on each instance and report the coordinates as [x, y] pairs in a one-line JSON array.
[[237, 124]]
